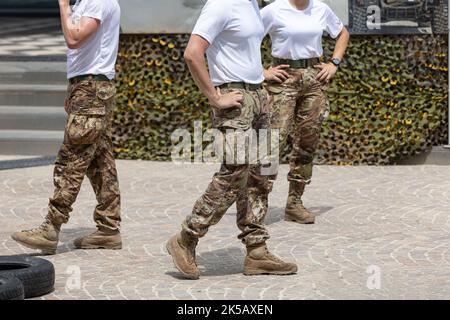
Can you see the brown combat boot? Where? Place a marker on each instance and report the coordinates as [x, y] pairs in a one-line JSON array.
[[295, 210], [182, 249], [110, 240], [44, 238], [260, 261]]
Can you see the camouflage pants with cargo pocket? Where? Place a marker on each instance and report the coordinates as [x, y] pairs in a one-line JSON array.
[[299, 108], [87, 151], [235, 177]]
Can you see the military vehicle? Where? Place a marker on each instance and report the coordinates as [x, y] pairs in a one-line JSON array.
[[423, 16]]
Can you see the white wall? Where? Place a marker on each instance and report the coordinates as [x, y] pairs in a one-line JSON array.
[[340, 7], [179, 16], [159, 16]]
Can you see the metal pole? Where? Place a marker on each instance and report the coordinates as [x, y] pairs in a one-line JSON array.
[[448, 66], [448, 80]]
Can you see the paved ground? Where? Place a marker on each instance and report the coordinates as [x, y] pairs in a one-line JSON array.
[[375, 223], [27, 36], [15, 157]]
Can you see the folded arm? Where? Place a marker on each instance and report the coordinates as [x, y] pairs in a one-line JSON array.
[[76, 35], [195, 59], [329, 70]]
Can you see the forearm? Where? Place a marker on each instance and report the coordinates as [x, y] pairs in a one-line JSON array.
[[341, 44], [199, 72], [66, 22]]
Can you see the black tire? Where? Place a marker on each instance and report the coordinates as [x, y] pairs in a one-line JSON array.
[[11, 289], [37, 275], [359, 15], [359, 22], [440, 18]]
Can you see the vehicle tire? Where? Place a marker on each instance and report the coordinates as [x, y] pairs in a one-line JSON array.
[[37, 275], [440, 18], [11, 289], [359, 20]]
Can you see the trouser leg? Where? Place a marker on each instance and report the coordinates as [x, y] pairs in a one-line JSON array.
[[252, 207], [221, 193], [102, 174], [255, 196], [70, 168], [309, 116], [89, 102]]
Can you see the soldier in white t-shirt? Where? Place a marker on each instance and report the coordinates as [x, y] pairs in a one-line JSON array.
[[298, 85], [230, 32], [91, 29]]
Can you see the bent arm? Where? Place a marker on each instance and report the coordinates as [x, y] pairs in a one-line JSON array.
[[342, 41], [76, 35], [195, 59]]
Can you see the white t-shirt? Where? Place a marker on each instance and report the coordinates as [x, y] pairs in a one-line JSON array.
[[234, 30], [98, 54], [297, 34]]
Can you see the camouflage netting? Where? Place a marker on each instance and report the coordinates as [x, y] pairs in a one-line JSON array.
[[388, 101]]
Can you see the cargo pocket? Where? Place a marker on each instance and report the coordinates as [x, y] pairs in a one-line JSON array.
[[83, 98], [326, 108], [275, 89], [84, 129], [106, 91], [86, 121], [234, 118]]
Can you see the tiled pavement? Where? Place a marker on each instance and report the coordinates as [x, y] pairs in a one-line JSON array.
[[395, 220], [31, 37]]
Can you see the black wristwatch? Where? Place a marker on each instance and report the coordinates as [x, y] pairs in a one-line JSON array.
[[337, 62]]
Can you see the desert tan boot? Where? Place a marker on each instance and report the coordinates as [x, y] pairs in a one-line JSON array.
[[100, 240], [44, 238], [295, 210], [182, 249], [260, 261]]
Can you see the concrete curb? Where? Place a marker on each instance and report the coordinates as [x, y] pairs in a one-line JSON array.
[[27, 163]]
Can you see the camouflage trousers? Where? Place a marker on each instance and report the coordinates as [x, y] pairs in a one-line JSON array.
[[87, 151], [245, 180], [299, 107]]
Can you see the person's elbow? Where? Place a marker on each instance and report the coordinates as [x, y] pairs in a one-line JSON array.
[[190, 55], [345, 33], [195, 50], [73, 44]]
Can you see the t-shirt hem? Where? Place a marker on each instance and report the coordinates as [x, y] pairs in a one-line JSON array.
[[217, 84], [341, 27], [93, 16], [203, 35], [73, 75]]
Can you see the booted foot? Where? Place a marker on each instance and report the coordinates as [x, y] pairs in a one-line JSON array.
[[295, 210], [182, 249], [260, 261], [298, 213], [44, 238], [100, 240]]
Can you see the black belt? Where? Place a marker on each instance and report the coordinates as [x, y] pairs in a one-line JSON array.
[[95, 77], [297, 64], [241, 85]]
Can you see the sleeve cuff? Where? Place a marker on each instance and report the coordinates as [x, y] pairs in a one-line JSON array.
[[338, 31], [203, 35], [93, 16]]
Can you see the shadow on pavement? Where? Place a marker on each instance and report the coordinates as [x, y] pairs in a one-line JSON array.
[[276, 215], [221, 262], [67, 236]]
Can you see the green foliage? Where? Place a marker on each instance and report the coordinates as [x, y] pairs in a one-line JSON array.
[[388, 101]]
